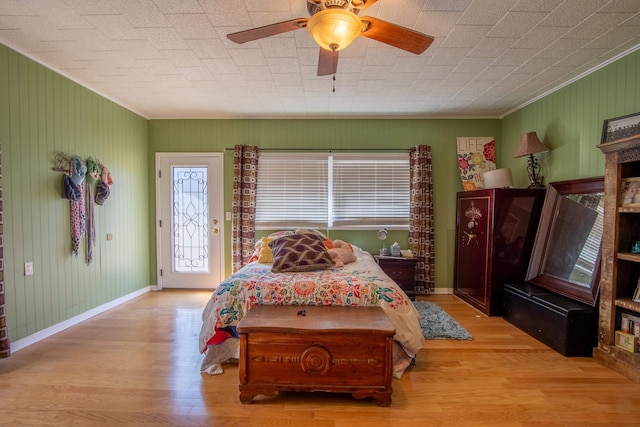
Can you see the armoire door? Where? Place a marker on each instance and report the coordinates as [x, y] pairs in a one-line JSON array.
[[473, 247], [495, 230]]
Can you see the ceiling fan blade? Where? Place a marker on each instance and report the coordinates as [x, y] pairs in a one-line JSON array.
[[327, 62], [395, 35], [267, 30]]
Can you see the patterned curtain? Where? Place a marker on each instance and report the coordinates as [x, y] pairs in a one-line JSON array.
[[245, 180], [5, 345], [421, 235]]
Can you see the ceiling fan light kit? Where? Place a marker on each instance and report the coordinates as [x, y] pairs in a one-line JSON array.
[[334, 24], [334, 29]]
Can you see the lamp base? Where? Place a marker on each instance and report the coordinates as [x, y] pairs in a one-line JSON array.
[[384, 251], [535, 180]]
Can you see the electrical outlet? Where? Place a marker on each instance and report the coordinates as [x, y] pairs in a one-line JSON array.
[[28, 268], [227, 216]]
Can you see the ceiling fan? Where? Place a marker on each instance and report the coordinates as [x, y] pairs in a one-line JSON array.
[[334, 24]]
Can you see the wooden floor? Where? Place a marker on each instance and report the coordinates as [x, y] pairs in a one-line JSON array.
[[138, 364]]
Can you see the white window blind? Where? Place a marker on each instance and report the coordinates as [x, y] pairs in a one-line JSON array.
[[292, 191], [329, 190], [370, 190]]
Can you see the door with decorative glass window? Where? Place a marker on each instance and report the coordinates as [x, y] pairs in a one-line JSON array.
[[189, 205]]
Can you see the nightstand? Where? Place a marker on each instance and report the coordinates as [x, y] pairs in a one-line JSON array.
[[402, 270]]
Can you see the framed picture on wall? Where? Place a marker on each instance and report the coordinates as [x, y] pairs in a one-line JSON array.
[[630, 192], [621, 127]]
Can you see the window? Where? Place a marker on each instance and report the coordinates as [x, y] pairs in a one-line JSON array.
[[333, 190], [292, 191]]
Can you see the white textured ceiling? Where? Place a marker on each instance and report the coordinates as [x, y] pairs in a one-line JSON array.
[[171, 58]]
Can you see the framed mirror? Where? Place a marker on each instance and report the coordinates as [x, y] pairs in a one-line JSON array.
[[566, 251]]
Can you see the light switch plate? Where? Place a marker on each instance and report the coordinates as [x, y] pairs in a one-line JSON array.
[[28, 268]]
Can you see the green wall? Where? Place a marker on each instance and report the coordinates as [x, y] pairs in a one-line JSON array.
[[42, 113], [569, 122], [218, 135]]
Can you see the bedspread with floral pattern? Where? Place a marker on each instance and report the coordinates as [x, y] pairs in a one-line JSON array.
[[361, 283]]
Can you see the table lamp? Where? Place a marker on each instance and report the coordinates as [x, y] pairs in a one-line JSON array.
[[530, 145]]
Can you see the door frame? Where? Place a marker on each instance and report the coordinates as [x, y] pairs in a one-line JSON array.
[[219, 176]]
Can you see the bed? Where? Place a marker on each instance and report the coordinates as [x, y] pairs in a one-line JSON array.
[[343, 274]]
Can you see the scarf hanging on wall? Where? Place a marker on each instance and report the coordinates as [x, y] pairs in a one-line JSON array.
[[83, 183], [90, 223], [93, 173], [78, 223]]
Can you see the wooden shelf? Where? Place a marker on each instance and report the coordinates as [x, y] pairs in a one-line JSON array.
[[628, 256], [627, 303], [622, 165], [629, 209], [630, 142]]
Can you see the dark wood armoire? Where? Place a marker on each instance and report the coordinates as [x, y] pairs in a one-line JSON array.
[[495, 231]]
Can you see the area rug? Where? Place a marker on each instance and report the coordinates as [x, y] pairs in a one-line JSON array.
[[437, 324]]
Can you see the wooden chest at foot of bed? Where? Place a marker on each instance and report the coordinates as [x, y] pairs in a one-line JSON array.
[[316, 348]]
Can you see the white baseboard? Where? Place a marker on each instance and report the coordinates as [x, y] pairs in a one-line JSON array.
[[59, 327]]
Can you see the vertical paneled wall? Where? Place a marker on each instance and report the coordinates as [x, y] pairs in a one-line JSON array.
[[216, 135], [42, 113], [570, 120]]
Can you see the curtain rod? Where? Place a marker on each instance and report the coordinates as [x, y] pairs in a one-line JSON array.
[[330, 150]]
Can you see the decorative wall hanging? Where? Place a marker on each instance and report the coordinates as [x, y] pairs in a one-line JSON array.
[[476, 155], [83, 183]]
